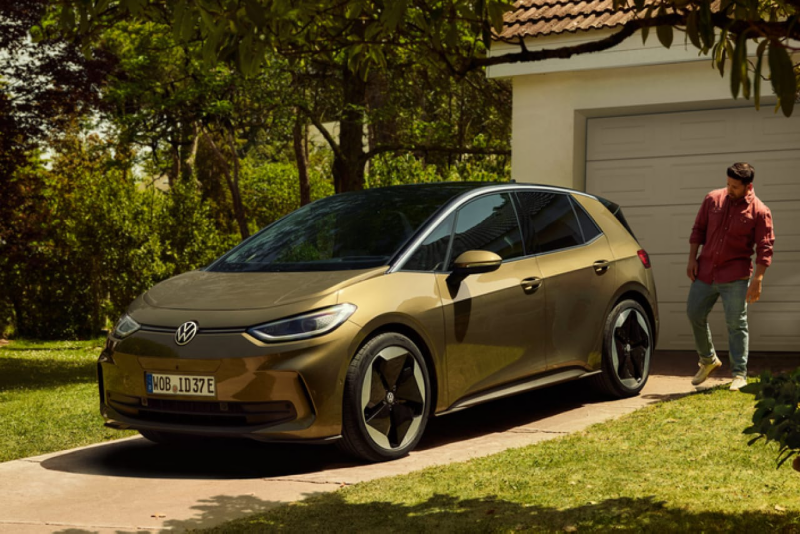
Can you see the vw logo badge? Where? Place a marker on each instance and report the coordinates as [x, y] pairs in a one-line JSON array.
[[185, 333]]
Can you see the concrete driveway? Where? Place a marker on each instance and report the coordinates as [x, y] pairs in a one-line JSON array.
[[131, 485]]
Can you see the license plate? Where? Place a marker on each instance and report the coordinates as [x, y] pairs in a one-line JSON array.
[[160, 384]]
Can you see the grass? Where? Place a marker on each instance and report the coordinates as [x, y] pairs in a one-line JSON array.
[[48, 398], [680, 466]]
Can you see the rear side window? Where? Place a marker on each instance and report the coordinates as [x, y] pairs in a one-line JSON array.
[[589, 227], [617, 212], [431, 254], [488, 223], [550, 222]]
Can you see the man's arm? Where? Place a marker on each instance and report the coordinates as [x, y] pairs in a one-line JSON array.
[[754, 290], [697, 238], [691, 269], [765, 239]]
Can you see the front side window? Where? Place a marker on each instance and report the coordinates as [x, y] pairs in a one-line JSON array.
[[488, 223], [431, 254], [549, 220]]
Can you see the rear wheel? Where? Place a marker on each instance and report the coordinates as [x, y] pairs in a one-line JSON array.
[[386, 399], [627, 348]]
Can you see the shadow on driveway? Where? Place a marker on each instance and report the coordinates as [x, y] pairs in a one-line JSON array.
[[241, 459]]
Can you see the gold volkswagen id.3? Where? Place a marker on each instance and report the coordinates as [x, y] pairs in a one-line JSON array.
[[357, 317]]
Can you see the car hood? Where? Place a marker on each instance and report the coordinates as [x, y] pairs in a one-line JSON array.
[[219, 291]]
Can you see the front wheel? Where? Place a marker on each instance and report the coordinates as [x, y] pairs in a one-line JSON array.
[[386, 399], [627, 348]]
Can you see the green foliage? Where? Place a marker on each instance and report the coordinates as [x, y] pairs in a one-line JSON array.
[[776, 416], [86, 240], [390, 169], [270, 189]]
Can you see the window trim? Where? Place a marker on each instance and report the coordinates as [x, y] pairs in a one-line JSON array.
[[397, 264]]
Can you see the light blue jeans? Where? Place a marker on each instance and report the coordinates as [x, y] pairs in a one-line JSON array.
[[702, 298]]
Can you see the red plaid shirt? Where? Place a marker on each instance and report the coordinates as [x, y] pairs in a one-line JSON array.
[[728, 230]]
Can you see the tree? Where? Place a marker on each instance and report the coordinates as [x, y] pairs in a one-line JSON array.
[[456, 33], [352, 39]]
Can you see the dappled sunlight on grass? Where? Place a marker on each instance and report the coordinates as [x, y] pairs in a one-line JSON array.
[[677, 466]]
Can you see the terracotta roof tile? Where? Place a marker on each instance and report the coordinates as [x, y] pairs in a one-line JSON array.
[[545, 17]]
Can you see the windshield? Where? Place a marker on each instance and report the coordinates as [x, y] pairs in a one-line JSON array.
[[358, 230]]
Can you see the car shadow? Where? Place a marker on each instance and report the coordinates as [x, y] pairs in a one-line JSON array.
[[242, 459]]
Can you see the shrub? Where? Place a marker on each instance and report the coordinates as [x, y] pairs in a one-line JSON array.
[[776, 416]]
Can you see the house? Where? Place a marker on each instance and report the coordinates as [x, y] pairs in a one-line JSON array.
[[653, 129]]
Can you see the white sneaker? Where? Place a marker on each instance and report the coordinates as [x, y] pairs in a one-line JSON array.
[[705, 370], [738, 383]]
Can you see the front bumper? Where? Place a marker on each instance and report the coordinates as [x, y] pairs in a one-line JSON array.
[[272, 392]]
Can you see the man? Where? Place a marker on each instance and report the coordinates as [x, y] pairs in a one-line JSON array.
[[731, 222]]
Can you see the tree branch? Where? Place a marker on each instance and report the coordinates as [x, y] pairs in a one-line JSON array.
[[434, 148]]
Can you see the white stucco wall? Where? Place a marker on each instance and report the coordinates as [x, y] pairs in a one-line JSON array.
[[554, 98], [550, 111]]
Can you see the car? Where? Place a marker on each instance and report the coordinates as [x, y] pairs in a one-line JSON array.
[[359, 316]]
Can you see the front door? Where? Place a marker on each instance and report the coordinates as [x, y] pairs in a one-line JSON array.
[[494, 321]]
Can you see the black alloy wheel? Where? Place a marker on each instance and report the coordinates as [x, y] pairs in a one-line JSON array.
[[627, 349], [387, 399]]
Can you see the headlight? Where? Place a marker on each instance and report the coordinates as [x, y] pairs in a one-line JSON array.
[[125, 327], [304, 326]]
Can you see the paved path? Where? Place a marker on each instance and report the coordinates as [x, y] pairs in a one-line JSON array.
[[131, 485]]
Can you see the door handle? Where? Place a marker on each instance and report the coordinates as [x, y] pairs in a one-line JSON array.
[[530, 285], [601, 266]]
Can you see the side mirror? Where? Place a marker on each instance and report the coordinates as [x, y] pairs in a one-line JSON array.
[[474, 262]]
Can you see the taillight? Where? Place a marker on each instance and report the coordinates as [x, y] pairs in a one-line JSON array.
[[644, 257]]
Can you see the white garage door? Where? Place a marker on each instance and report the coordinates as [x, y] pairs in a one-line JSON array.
[[659, 167]]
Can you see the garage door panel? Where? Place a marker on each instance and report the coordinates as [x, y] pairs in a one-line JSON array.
[[786, 218], [729, 131], [662, 230], [666, 230], [659, 168], [687, 180], [781, 283], [773, 326]]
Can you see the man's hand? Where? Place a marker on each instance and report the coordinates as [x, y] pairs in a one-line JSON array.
[[691, 269], [754, 291]]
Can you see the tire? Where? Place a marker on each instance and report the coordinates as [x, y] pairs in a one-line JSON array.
[[627, 350], [386, 399]]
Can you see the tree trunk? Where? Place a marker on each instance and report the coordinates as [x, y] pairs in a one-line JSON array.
[[232, 180], [299, 138], [348, 170], [236, 195]]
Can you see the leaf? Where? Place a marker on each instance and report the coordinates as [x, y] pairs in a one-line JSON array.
[[784, 81], [496, 11], [664, 34], [739, 64], [691, 29], [255, 12], [393, 13], [67, 19], [705, 25]]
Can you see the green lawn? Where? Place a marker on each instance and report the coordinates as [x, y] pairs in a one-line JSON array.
[[680, 466], [48, 398]]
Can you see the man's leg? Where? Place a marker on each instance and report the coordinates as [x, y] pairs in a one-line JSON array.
[[735, 304], [702, 298]]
